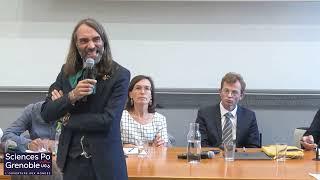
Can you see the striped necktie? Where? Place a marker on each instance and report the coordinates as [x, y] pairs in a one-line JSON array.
[[227, 129]]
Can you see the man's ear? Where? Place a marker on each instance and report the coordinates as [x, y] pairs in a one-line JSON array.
[[242, 96]]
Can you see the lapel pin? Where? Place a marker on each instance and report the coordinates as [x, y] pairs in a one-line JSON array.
[[105, 77]]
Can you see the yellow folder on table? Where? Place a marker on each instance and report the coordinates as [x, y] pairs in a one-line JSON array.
[[293, 152]]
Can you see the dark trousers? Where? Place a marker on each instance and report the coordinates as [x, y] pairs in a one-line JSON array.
[[79, 168]]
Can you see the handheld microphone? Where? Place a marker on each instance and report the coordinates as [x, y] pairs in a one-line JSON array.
[[89, 69], [203, 155], [89, 73]]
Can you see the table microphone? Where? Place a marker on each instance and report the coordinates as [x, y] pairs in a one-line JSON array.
[[204, 155], [10, 146]]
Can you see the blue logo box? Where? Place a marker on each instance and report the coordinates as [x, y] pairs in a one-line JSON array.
[[27, 164]]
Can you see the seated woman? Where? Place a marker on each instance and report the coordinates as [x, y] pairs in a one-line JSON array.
[[140, 121]]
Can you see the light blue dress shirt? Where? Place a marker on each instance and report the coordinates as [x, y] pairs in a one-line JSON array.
[[30, 120]]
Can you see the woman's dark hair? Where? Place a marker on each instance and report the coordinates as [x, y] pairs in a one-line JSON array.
[[152, 106]]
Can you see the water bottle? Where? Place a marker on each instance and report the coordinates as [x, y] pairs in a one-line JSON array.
[[194, 144]]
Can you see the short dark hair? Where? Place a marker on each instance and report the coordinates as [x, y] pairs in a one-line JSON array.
[[152, 106], [233, 77]]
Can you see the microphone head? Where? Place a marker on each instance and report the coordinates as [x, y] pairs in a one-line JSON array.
[[89, 63], [210, 154], [10, 145], [207, 155]]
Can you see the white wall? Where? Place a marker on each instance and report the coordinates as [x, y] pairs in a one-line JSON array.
[[274, 45]]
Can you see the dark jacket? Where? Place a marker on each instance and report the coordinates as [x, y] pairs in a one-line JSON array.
[[209, 119], [98, 119]]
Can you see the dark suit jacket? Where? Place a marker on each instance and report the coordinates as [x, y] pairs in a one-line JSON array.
[[98, 120], [209, 119], [314, 128]]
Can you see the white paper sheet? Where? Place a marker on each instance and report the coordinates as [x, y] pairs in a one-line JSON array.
[[317, 176], [131, 150]]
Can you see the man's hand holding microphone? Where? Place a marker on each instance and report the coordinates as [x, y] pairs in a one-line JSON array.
[[86, 86], [83, 88]]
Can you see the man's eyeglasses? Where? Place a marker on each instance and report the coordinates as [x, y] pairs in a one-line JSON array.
[[234, 93]]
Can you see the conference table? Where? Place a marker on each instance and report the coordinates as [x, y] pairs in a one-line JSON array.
[[163, 164], [2, 177]]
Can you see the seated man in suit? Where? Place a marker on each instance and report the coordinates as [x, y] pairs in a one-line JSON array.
[[227, 121], [311, 137]]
